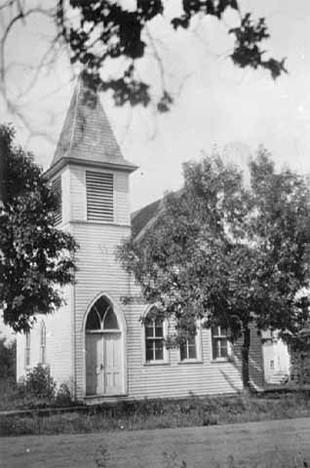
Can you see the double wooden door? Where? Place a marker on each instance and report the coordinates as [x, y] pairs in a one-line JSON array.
[[103, 363]]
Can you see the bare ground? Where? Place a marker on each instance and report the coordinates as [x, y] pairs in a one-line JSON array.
[[283, 443]]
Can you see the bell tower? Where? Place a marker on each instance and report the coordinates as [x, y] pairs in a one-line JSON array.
[[92, 179]]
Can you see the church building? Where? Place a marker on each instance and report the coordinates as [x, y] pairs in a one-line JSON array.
[[96, 342]]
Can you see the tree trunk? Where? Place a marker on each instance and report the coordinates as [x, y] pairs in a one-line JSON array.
[[245, 351], [3, 150]]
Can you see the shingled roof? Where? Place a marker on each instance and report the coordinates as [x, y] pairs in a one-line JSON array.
[[86, 135], [142, 219]]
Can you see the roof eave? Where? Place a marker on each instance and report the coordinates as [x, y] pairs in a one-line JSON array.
[[64, 161]]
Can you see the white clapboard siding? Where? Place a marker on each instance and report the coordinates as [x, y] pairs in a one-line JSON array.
[[121, 190], [59, 346], [66, 204], [176, 379], [98, 273], [77, 193]]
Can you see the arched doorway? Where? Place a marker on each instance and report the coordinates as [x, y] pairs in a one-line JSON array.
[[103, 350]]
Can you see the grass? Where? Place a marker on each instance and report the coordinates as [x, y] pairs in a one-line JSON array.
[[154, 414]]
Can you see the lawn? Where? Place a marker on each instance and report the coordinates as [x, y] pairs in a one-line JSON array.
[[155, 414], [272, 444]]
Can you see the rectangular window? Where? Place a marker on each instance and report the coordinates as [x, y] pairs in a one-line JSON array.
[[189, 350], [154, 340], [27, 349], [219, 342], [57, 190], [99, 193]]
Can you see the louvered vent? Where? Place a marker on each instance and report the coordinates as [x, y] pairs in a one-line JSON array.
[[56, 187], [99, 189]]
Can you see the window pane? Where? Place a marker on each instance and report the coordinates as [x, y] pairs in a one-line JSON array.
[[149, 354], [110, 321], [183, 352], [223, 331], [215, 349], [101, 307], [192, 351], [223, 348], [159, 331], [93, 322], [149, 346], [159, 352], [149, 331]]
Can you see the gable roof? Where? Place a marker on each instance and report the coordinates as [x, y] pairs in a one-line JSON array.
[[142, 219], [86, 136]]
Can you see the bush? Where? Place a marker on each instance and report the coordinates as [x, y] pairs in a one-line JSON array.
[[63, 396], [39, 384], [7, 358]]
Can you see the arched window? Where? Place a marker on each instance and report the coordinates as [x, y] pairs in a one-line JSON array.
[[27, 349], [43, 343], [101, 317], [154, 337]]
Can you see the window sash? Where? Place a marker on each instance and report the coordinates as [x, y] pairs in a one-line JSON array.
[[154, 340], [189, 349], [219, 342]]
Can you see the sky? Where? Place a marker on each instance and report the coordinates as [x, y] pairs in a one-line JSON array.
[[216, 104]]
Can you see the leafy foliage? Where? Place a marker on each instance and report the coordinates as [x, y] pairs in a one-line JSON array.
[[36, 256], [106, 30], [226, 254], [39, 383], [7, 358]]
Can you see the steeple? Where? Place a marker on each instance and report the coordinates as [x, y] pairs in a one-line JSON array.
[[86, 136]]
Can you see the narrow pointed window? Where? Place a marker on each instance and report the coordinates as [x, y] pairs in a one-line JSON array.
[[27, 349], [43, 343]]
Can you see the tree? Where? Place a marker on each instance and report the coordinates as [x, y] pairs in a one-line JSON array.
[[109, 30], [228, 254], [36, 256], [97, 34]]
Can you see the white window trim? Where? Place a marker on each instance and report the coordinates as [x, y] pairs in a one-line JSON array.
[[198, 341], [155, 362]]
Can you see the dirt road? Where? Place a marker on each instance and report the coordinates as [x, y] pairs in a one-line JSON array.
[[271, 443]]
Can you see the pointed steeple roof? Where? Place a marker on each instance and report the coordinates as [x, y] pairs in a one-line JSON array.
[[86, 136]]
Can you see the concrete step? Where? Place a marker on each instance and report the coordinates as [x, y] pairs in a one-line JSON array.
[[277, 378]]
